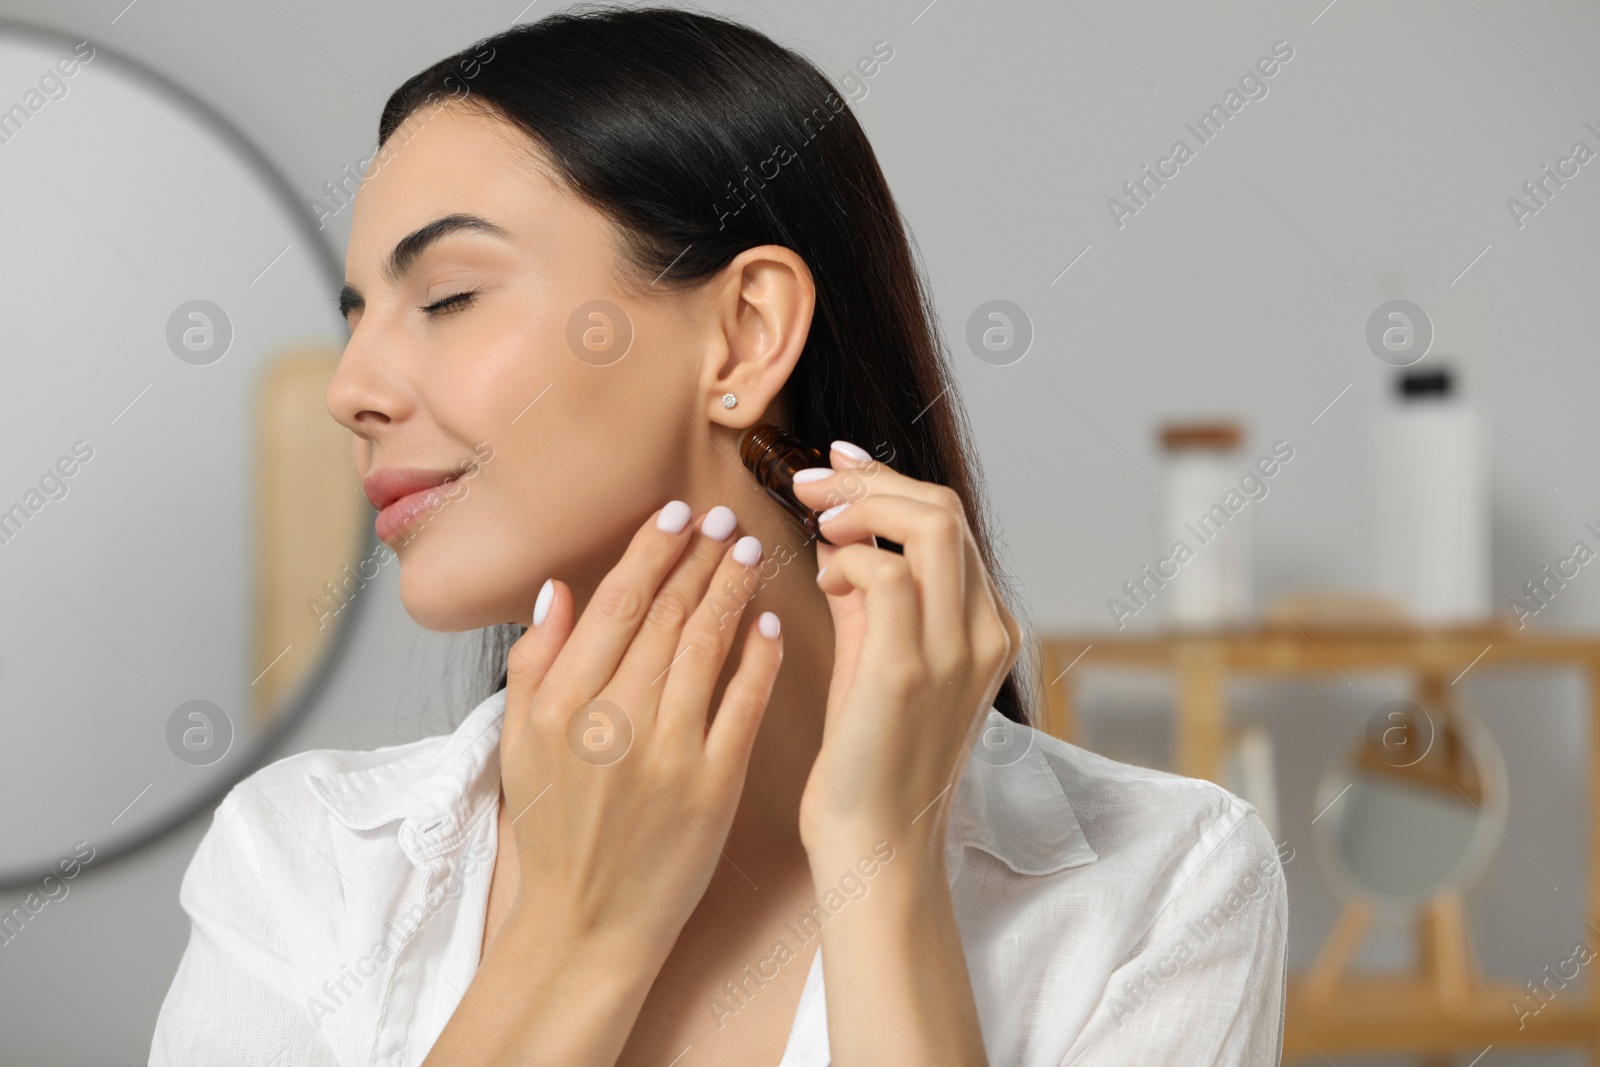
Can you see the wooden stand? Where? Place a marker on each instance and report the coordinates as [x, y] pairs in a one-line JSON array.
[[1443, 1006]]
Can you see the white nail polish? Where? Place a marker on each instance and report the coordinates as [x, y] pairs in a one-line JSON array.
[[768, 624], [747, 550], [855, 452], [673, 518], [719, 523], [831, 512], [812, 474], [541, 606]]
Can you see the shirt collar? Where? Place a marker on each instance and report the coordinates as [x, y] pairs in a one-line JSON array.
[[1009, 803], [437, 789]]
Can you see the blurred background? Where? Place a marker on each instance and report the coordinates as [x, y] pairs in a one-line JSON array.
[[1372, 270]]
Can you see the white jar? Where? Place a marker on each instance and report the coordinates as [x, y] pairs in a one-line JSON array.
[[1212, 587]]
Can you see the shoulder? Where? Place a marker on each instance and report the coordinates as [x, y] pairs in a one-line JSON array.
[[1177, 849], [364, 789], [1130, 843], [287, 791], [1177, 899], [1084, 884], [304, 822], [273, 819], [1157, 813]]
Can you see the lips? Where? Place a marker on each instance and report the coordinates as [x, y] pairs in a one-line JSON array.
[[402, 494], [383, 487]]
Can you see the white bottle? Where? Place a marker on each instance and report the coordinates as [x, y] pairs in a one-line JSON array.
[[1432, 480]]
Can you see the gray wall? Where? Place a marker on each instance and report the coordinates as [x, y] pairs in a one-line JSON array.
[[1378, 166]]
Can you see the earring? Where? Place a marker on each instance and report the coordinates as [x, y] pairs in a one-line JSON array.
[[728, 400]]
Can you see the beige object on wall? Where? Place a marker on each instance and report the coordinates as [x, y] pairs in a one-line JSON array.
[[311, 522]]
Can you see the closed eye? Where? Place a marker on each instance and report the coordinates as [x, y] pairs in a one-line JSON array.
[[450, 303]]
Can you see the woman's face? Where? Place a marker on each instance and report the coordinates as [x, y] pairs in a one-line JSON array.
[[566, 448]]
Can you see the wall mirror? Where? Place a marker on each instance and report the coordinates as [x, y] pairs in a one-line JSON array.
[[183, 545]]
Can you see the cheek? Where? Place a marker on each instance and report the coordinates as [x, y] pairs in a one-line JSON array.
[[493, 368], [582, 455], [541, 508]]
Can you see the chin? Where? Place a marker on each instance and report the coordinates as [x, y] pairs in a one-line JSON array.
[[442, 594]]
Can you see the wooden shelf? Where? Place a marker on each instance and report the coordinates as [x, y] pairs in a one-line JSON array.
[[1399, 1015], [1444, 1007]]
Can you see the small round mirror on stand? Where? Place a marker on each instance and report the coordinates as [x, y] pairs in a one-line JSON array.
[[1407, 820], [1413, 810]]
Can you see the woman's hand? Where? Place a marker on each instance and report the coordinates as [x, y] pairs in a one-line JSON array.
[[620, 797], [922, 646]]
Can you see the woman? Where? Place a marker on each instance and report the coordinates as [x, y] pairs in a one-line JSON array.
[[724, 760]]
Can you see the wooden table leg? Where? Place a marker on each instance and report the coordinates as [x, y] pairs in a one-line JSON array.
[[1444, 952], [1067, 709], [1060, 712], [1333, 959], [1434, 694], [1202, 708]]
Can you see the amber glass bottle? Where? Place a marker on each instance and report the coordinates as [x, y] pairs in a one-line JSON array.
[[773, 454]]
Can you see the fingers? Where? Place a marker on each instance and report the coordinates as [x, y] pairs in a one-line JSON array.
[[935, 542], [744, 702], [855, 477], [885, 580], [853, 481], [703, 648], [529, 659], [656, 644], [962, 614], [620, 602]]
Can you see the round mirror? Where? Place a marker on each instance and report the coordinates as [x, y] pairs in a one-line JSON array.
[[182, 540], [1413, 809]]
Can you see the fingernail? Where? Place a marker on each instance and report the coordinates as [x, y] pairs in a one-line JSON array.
[[673, 518], [541, 606], [768, 624], [855, 452], [747, 550], [831, 512], [812, 474], [823, 571], [719, 523]]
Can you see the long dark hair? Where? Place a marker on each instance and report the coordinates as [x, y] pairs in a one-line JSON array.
[[700, 137]]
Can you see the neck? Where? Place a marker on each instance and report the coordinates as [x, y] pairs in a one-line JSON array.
[[766, 829], [765, 833]]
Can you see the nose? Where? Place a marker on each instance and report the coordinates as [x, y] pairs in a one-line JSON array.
[[367, 391]]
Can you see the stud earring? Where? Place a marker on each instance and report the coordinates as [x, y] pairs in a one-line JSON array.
[[728, 400]]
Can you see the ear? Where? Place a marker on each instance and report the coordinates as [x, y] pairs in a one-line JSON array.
[[761, 304]]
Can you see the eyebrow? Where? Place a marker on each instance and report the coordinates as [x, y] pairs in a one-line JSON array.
[[411, 246]]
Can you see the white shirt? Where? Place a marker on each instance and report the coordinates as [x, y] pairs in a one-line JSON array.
[[1110, 914]]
